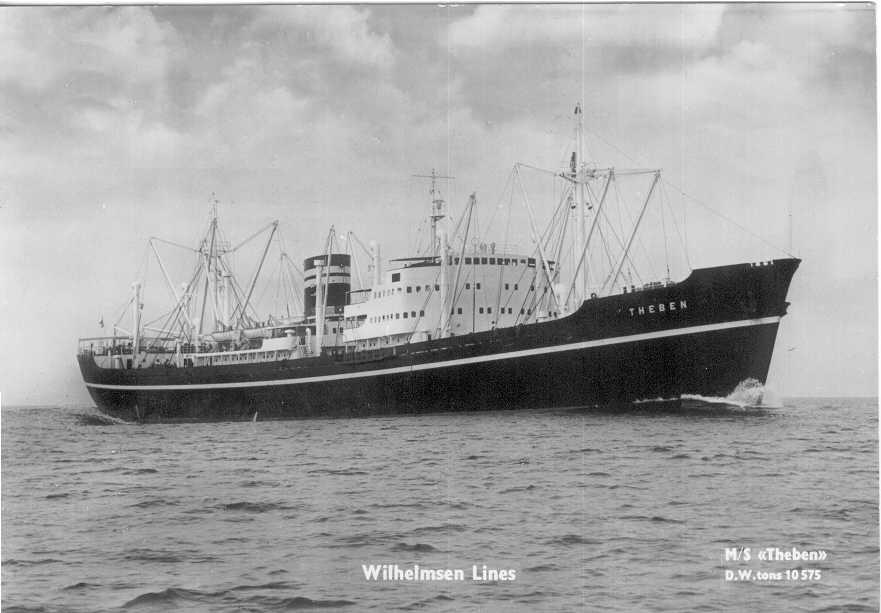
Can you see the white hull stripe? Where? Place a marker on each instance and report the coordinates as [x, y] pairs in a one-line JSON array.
[[617, 340]]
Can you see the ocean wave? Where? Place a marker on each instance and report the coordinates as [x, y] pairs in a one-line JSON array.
[[153, 502], [422, 604], [336, 471], [176, 598], [572, 539], [150, 555], [398, 505], [81, 586], [420, 547], [542, 568], [521, 488], [167, 597], [301, 602], [255, 507], [653, 518], [447, 527], [272, 585], [99, 419], [13, 562]]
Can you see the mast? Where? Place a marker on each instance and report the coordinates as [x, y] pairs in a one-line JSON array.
[[582, 261], [212, 264], [377, 263], [136, 322], [581, 288], [190, 325], [445, 309], [319, 306], [227, 300], [437, 207]]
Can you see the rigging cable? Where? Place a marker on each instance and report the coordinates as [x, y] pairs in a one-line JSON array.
[[699, 202]]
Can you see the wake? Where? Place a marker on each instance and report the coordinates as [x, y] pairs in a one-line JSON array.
[[749, 394], [99, 419]]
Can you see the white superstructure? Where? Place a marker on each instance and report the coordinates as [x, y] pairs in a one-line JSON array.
[[494, 290]]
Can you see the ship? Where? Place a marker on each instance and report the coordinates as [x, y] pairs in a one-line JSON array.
[[462, 325]]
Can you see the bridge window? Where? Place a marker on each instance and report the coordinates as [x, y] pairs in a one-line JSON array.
[[515, 287], [509, 311], [396, 276], [492, 260], [418, 287], [467, 260], [506, 286], [477, 285], [467, 286], [421, 313], [405, 314], [483, 260], [413, 314], [459, 310], [409, 289], [436, 287], [457, 260], [397, 315], [489, 309], [480, 310]]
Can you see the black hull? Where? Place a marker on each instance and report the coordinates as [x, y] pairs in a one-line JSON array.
[[720, 331]]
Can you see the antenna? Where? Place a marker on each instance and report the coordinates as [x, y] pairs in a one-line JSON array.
[[437, 206], [214, 203]]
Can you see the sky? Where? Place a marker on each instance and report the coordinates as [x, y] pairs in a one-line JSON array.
[[121, 123]]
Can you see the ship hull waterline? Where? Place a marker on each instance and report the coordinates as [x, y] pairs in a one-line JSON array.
[[709, 363]]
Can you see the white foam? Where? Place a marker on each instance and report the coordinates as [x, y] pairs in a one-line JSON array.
[[748, 393]]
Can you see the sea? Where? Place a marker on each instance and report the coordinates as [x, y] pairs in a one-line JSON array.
[[711, 505]]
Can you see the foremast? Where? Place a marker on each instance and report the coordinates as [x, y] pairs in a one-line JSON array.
[[581, 176]]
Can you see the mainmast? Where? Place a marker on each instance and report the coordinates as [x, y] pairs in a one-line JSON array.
[[580, 171], [437, 207]]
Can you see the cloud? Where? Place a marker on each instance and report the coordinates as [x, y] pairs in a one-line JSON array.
[[84, 86], [41, 47], [344, 31], [496, 28]]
